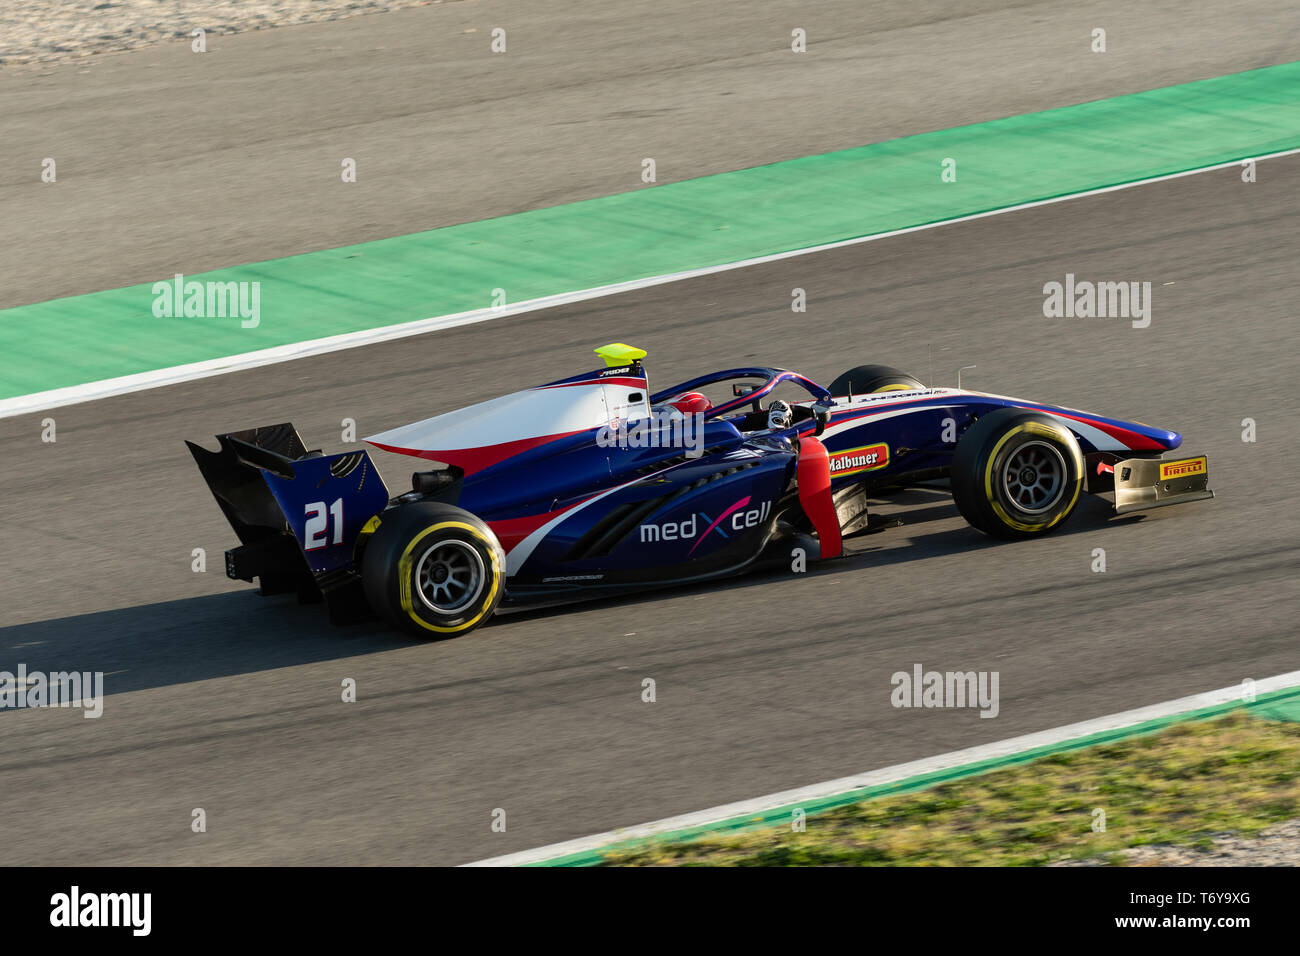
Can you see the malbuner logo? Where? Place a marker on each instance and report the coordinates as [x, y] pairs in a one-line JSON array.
[[851, 461], [207, 300]]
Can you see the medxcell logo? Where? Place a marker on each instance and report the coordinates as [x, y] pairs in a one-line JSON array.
[[850, 461], [735, 520]]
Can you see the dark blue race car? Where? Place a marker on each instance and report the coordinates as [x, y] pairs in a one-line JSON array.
[[594, 485]]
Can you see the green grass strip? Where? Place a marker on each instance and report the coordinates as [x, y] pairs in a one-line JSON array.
[[1283, 704], [667, 228], [1178, 787]]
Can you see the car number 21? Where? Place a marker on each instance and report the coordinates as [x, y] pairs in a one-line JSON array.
[[317, 527]]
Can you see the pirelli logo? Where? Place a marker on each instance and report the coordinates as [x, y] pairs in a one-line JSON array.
[[1183, 469], [850, 461]]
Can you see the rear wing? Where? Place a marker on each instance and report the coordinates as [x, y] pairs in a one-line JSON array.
[[298, 514]]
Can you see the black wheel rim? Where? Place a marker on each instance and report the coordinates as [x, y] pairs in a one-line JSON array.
[[450, 576], [1033, 479]]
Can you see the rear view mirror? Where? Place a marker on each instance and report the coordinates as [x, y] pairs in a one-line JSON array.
[[822, 415]]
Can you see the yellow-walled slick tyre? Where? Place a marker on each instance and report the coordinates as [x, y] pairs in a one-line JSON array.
[[433, 570], [869, 379], [1017, 474]]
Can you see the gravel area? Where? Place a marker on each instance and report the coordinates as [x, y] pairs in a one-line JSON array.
[[48, 31], [1275, 846]]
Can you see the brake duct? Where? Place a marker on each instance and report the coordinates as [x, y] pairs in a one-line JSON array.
[[814, 476]]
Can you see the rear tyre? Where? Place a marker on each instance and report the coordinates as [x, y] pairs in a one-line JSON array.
[[1016, 474], [868, 379], [433, 570]]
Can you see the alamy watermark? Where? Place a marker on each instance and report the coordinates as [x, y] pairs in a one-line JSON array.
[[127, 910], [57, 689], [1085, 299], [208, 300], [661, 429], [922, 688]]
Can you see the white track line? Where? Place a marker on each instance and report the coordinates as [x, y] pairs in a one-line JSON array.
[[106, 388], [948, 761]]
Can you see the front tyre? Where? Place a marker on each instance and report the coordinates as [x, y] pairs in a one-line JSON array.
[[1017, 474], [433, 570]]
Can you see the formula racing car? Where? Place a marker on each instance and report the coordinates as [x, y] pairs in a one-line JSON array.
[[594, 485]]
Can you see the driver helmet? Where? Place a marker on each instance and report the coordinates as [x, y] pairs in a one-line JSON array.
[[691, 403], [779, 415]]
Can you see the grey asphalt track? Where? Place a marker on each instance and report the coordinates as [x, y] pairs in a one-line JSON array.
[[222, 700], [170, 161]]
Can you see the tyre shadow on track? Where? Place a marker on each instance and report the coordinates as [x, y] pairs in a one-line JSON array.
[[225, 635], [917, 506], [192, 639]]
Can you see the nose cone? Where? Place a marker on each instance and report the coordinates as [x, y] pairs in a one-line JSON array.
[[1160, 438], [1117, 435]]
